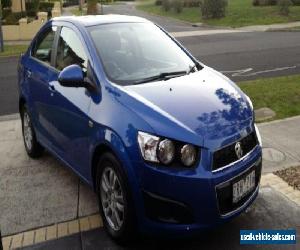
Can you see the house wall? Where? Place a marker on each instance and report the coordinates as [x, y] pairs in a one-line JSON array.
[[25, 30]]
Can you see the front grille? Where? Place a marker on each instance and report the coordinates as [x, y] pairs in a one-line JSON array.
[[224, 191], [227, 155]]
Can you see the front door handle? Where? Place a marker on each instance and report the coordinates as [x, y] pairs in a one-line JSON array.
[[51, 88], [29, 73]]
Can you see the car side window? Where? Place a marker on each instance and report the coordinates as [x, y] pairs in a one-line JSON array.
[[70, 50], [43, 45]]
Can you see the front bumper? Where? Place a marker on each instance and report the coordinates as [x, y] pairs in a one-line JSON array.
[[194, 194]]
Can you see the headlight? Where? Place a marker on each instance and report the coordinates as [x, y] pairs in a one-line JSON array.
[[188, 155], [166, 151], [148, 146]]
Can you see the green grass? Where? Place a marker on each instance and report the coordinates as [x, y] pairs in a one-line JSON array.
[[281, 94], [239, 13], [188, 14], [13, 50]]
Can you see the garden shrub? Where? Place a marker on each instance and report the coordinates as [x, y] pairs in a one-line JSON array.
[[32, 7], [296, 2], [264, 2], [68, 3], [191, 3], [166, 5], [13, 18], [19, 15], [213, 8], [31, 13], [46, 7], [6, 3], [185, 3], [158, 2], [284, 7], [5, 13], [10, 20], [177, 5]]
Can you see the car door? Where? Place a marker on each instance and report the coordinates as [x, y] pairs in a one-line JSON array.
[[69, 105], [37, 76]]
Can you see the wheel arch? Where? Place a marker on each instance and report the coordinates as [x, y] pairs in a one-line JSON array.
[[118, 149], [98, 152]]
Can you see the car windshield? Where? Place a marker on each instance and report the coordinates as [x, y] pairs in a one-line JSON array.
[[134, 53]]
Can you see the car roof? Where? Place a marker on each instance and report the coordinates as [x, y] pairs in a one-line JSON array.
[[100, 19]]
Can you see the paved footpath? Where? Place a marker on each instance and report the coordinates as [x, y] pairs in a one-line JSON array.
[[47, 201]]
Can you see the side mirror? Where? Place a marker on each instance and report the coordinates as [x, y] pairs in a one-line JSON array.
[[72, 76]]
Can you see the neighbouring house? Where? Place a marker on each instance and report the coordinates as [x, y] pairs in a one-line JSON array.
[[25, 28]]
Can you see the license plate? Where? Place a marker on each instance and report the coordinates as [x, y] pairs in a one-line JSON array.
[[243, 187]]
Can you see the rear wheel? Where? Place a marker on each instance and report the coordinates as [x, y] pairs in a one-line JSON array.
[[32, 146], [114, 199]]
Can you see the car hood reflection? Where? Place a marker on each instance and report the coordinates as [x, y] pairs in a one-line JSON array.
[[204, 106]]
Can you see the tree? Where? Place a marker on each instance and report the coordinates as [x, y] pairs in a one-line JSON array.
[[284, 7], [213, 8], [1, 33], [92, 7]]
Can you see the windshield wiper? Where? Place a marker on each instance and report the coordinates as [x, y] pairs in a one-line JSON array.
[[194, 68], [162, 76]]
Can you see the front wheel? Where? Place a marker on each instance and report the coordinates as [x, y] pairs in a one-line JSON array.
[[114, 199], [32, 146]]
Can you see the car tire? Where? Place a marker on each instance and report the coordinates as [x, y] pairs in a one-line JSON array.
[[32, 146], [114, 199]]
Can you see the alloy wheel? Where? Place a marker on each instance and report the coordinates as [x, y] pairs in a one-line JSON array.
[[27, 130], [112, 198]]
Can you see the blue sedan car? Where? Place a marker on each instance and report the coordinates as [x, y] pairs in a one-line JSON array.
[[168, 144]]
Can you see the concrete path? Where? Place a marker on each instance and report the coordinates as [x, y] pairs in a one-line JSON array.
[[271, 27], [36, 193], [181, 34], [281, 142]]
